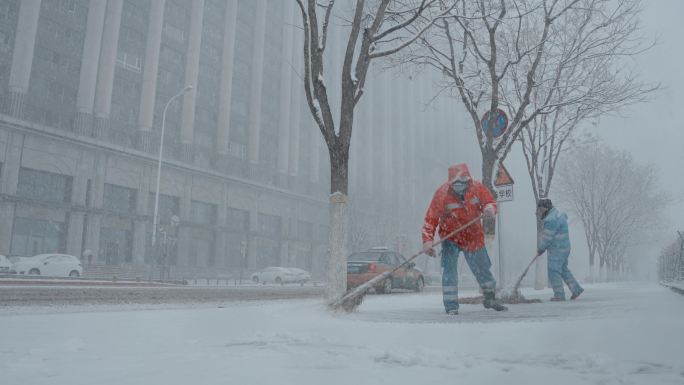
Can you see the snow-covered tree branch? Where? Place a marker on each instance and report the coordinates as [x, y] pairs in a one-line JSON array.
[[531, 58]]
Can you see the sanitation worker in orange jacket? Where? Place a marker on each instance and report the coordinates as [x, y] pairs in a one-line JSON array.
[[454, 204]]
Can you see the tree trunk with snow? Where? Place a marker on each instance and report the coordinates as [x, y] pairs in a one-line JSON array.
[[375, 30]]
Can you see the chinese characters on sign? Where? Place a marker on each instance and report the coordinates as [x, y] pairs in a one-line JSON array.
[[503, 184], [504, 193]]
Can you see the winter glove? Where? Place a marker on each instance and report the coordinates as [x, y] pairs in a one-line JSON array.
[[489, 211], [428, 249]]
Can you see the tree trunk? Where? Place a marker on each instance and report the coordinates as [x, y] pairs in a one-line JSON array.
[[488, 164], [336, 282], [540, 269]]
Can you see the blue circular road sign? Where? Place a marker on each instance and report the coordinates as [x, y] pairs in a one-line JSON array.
[[500, 123]]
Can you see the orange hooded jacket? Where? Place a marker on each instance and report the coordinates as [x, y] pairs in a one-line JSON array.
[[449, 212]]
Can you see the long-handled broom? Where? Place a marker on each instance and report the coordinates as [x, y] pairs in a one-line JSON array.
[[350, 301], [515, 296]]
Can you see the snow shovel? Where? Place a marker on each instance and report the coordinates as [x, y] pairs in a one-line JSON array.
[[350, 301]]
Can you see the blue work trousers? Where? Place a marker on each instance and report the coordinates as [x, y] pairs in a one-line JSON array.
[[479, 264], [557, 266]]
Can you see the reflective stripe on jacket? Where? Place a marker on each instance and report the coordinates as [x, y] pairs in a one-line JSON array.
[[448, 212]]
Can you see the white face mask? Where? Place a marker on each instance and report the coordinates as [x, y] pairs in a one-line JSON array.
[[459, 186]]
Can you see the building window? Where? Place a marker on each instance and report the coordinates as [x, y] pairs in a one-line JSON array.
[[168, 206], [269, 226], [119, 199], [202, 246], [116, 246], [35, 236], [44, 186], [203, 213], [237, 220]]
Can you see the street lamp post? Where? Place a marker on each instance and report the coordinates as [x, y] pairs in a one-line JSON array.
[[155, 218]]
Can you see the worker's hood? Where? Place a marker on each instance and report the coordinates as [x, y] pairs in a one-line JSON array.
[[459, 172]]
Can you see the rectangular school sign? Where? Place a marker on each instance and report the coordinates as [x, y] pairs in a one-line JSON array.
[[504, 193]]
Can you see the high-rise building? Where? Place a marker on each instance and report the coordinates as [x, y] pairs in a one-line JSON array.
[[84, 84]]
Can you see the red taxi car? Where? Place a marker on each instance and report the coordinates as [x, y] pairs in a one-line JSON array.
[[363, 266]]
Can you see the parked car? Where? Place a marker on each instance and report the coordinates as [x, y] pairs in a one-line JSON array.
[[6, 265], [363, 266], [433, 278], [281, 275], [52, 265]]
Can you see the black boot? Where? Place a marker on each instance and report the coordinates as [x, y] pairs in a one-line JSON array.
[[490, 302]]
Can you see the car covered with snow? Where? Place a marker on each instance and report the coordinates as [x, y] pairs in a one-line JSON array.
[[51, 265], [6, 265], [363, 266], [281, 275]]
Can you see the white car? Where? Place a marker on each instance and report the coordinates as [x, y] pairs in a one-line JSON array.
[[281, 275], [52, 265], [5, 265]]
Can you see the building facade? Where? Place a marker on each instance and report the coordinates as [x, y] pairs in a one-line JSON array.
[[84, 86]]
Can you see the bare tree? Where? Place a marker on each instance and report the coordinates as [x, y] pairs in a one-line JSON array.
[[617, 201], [671, 260], [584, 77], [377, 28], [527, 58]]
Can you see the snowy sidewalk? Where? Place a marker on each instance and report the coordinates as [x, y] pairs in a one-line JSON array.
[[615, 334]]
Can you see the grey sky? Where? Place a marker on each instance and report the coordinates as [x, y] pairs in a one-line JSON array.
[[653, 132]]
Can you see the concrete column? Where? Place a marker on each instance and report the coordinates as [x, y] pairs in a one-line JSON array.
[[286, 103], [139, 225], [191, 72], [378, 140], [226, 88], [76, 217], [22, 57], [85, 99], [404, 155], [139, 238], [107, 64], [94, 222], [185, 255], [75, 232], [150, 71], [257, 83], [297, 96], [220, 233], [6, 224], [252, 240], [285, 241], [388, 134], [413, 129], [8, 187], [11, 164], [396, 138], [367, 135]]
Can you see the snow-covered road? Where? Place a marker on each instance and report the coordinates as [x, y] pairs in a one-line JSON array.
[[615, 334]]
